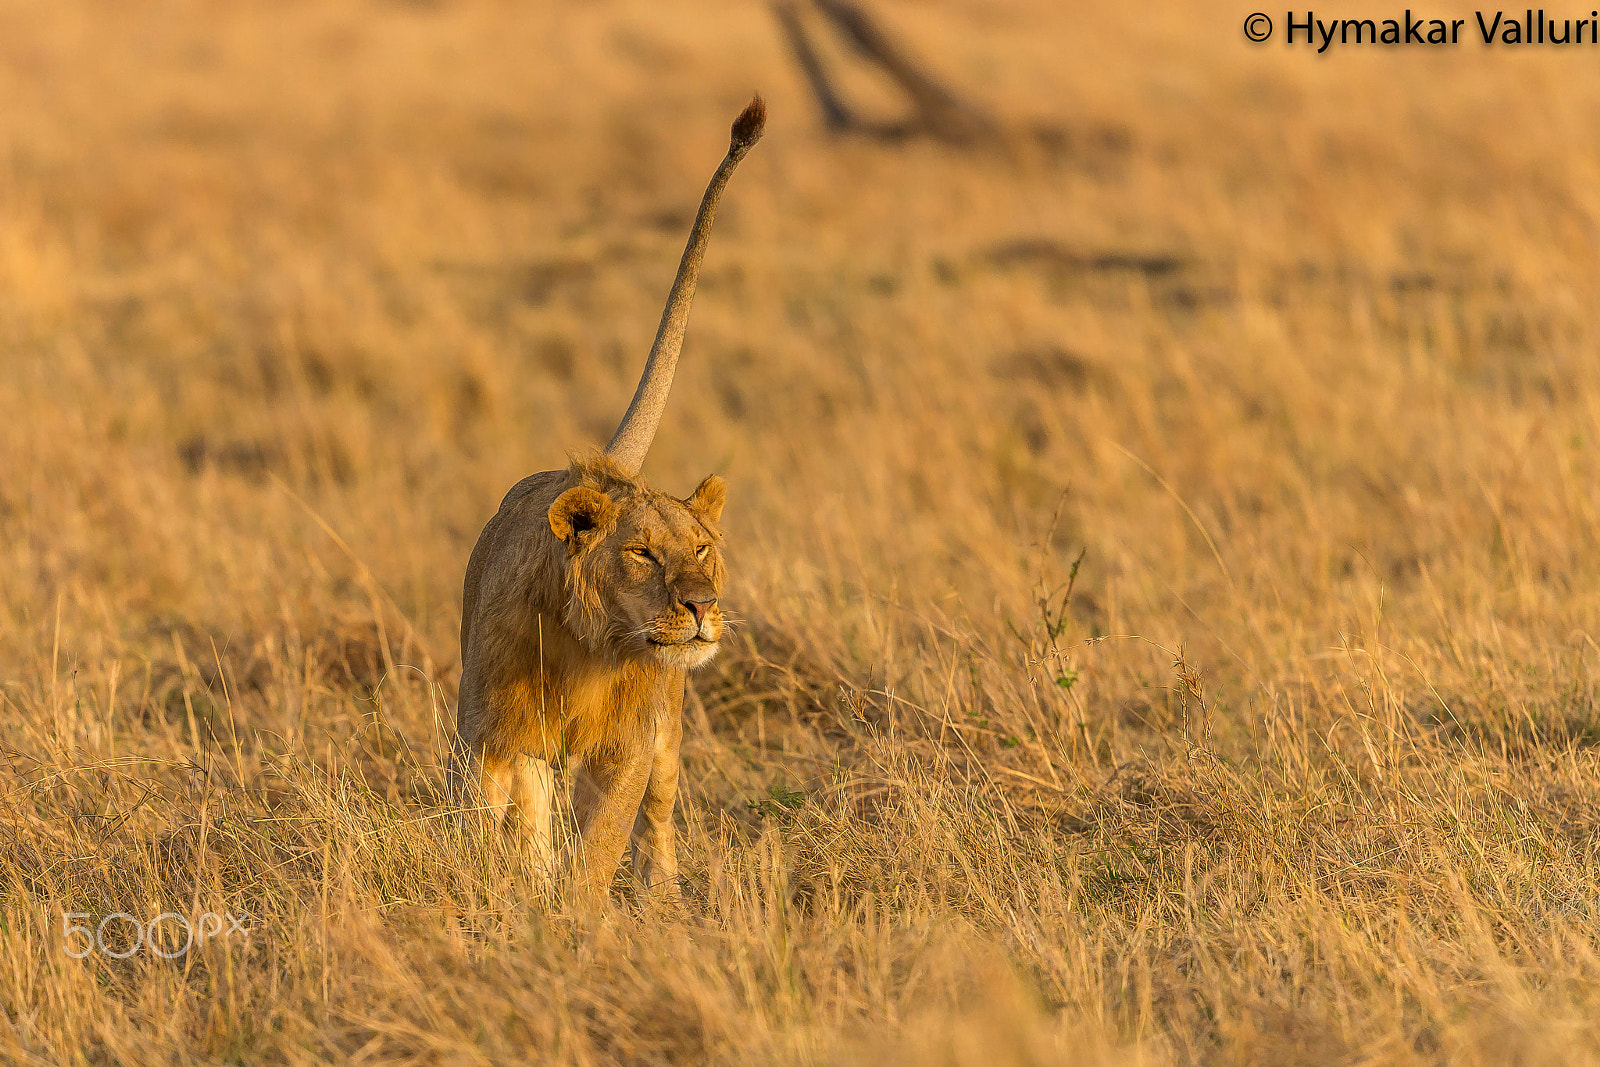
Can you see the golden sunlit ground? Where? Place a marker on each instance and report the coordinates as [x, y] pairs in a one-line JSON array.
[[1299, 353]]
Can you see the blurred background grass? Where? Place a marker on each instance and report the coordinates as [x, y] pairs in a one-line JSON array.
[[1299, 352]]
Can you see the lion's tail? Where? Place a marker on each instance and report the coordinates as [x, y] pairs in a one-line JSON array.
[[638, 427]]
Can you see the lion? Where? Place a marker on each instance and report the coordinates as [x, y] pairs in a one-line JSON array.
[[587, 600]]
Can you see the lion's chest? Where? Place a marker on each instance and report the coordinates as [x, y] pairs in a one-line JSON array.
[[574, 712]]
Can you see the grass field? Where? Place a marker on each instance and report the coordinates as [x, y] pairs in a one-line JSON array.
[[1297, 354]]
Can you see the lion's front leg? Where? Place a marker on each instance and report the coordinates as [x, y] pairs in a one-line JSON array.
[[480, 786], [606, 791], [655, 852], [533, 788]]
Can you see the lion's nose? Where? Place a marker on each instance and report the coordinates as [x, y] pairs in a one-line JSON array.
[[699, 608]]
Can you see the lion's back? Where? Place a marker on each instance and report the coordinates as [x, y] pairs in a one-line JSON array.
[[497, 552]]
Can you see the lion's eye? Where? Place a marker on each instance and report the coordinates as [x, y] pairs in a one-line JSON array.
[[643, 553], [702, 552]]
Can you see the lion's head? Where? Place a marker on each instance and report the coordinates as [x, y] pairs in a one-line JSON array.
[[644, 570]]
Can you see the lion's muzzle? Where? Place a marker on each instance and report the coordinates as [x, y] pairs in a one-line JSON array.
[[698, 609]]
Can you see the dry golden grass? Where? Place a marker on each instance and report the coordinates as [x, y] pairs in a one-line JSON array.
[[1300, 353]]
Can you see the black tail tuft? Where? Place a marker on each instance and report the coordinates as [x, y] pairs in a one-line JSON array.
[[747, 128]]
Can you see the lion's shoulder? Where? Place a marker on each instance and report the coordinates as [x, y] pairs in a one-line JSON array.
[[533, 485]]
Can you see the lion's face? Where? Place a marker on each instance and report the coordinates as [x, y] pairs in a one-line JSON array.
[[645, 571]]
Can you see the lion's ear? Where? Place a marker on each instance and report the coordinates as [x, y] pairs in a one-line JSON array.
[[706, 501], [577, 512]]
